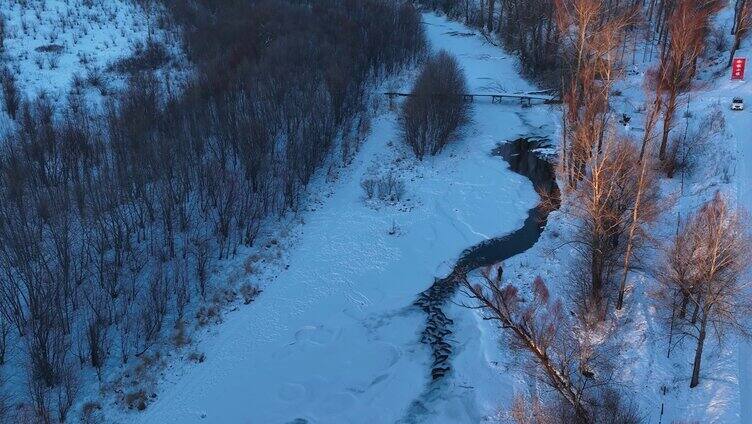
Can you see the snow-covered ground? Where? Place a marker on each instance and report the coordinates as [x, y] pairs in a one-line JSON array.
[[49, 42], [334, 337]]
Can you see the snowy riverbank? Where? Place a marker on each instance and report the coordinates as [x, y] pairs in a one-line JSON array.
[[334, 338]]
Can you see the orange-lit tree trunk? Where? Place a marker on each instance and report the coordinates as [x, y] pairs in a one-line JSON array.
[[742, 24]]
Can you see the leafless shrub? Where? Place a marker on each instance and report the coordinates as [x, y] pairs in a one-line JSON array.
[[249, 292], [89, 412], [200, 252], [53, 60], [153, 311], [136, 400], [5, 402], [369, 187], [66, 392], [717, 42], [179, 336], [390, 188], [436, 109], [181, 293], [387, 188], [197, 357], [4, 331], [50, 48], [96, 79], [149, 57], [607, 407], [208, 314], [41, 400]]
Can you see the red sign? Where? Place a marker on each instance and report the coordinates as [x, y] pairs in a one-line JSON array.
[[737, 68]]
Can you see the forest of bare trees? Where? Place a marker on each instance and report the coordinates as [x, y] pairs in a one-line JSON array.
[[109, 221]]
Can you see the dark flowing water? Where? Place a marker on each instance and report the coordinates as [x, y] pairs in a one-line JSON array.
[[523, 158]]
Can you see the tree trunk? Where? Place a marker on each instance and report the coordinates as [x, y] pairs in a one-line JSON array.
[[698, 353], [739, 27], [482, 15], [596, 276], [668, 118], [683, 308], [490, 14], [734, 48]]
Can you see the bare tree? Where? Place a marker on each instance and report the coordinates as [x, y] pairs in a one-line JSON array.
[[688, 25], [436, 108], [703, 270], [742, 25], [538, 327], [99, 211], [615, 197], [591, 33], [645, 208]]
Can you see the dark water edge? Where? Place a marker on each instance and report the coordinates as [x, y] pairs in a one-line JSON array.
[[523, 157]]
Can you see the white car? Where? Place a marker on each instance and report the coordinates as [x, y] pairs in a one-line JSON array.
[[737, 104]]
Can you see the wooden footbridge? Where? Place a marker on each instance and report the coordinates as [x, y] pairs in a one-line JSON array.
[[525, 99]]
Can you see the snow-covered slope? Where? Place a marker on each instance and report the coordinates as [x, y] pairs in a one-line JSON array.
[[334, 338]]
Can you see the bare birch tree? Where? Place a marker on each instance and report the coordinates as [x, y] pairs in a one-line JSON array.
[[704, 270], [538, 328], [688, 26], [742, 25]]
